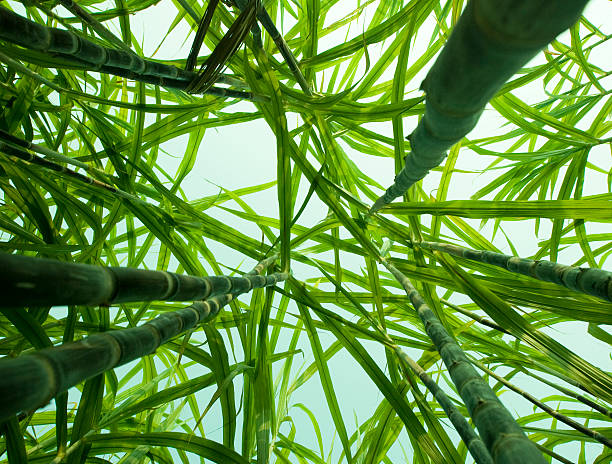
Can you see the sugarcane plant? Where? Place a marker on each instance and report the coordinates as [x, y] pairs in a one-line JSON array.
[[46, 282], [562, 418], [73, 50], [152, 152], [596, 282], [491, 41], [52, 371], [501, 434], [473, 442]]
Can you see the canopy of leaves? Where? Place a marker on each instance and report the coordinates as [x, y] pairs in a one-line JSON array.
[[128, 172]]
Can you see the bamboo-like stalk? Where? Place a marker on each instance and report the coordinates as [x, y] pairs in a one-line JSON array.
[[501, 434], [476, 317], [570, 393], [28, 281], [262, 265], [30, 381], [183, 84], [552, 454], [491, 41], [51, 154], [92, 22], [596, 282], [28, 34], [90, 55], [557, 415], [474, 443], [531, 374], [34, 159], [16, 148]]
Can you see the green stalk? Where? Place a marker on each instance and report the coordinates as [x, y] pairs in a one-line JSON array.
[[596, 282], [476, 317], [474, 443], [34, 36], [50, 154], [504, 438], [568, 392], [34, 159], [489, 44], [557, 415], [562, 389], [183, 84], [30, 381], [551, 453], [90, 55], [92, 22], [28, 281]]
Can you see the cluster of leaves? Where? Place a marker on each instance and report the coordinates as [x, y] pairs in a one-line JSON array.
[[227, 392]]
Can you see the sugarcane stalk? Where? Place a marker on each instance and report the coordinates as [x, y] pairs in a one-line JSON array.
[[552, 454], [474, 443], [30, 381], [570, 393], [531, 374], [34, 36], [92, 22], [90, 55], [28, 281], [595, 282], [553, 413], [262, 265], [50, 154], [503, 437], [476, 317], [16, 148], [184, 85], [489, 44]]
